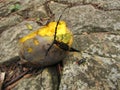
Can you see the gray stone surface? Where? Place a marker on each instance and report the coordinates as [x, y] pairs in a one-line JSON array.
[[10, 38], [96, 28], [47, 80], [8, 22], [102, 68]]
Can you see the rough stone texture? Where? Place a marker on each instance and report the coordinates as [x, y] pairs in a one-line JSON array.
[[9, 40], [47, 80], [106, 4], [102, 68], [9, 22], [96, 28]]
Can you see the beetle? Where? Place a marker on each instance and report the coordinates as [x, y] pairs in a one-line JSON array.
[[81, 61]]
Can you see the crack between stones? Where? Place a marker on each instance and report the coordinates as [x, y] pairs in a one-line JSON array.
[[83, 3]]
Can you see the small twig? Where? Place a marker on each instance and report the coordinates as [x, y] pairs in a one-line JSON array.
[[2, 78], [16, 79]]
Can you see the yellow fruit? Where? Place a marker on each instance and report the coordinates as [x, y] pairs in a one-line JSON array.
[[33, 47]]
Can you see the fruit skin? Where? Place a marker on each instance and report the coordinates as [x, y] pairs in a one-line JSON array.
[[33, 47]]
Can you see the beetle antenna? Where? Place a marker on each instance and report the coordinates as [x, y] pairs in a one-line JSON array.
[[55, 31]]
